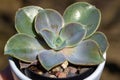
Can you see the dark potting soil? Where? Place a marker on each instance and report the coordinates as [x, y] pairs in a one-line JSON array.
[[65, 70]]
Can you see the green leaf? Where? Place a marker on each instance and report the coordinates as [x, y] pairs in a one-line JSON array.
[[59, 43], [23, 47], [52, 40], [50, 19], [72, 33], [82, 12], [24, 19], [49, 37], [86, 53], [50, 59], [102, 41]]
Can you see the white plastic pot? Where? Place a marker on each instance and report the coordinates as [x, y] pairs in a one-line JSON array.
[[18, 75]]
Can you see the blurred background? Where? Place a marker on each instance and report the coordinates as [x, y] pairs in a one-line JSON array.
[[110, 25]]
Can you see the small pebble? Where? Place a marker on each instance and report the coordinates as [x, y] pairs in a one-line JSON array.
[[40, 72], [62, 75], [46, 74], [57, 69], [52, 76], [66, 70], [72, 69], [83, 70], [71, 74], [65, 64], [57, 73]]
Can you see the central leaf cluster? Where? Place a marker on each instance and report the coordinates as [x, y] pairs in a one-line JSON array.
[[74, 36], [58, 42]]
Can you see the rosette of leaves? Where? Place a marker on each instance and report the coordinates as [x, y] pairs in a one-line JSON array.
[[45, 35]]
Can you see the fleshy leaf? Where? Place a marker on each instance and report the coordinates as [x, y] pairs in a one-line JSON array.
[[101, 39], [85, 14], [52, 40], [24, 19], [50, 19], [59, 43], [49, 37], [61, 46], [72, 33], [86, 53], [23, 47], [50, 59]]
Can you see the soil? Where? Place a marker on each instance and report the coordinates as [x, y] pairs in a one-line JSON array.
[[64, 70]]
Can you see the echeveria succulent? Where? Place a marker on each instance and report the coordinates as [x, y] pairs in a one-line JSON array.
[[45, 35]]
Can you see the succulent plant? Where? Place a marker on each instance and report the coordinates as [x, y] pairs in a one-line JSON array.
[[45, 35]]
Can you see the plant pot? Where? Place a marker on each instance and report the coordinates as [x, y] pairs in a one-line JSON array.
[[18, 75]]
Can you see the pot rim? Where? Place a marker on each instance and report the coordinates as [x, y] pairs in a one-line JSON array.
[[20, 75], [98, 70]]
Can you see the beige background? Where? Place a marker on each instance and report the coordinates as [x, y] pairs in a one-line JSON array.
[[110, 25]]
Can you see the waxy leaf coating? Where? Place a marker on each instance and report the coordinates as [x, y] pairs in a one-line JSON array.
[[85, 14], [50, 59], [73, 33], [49, 19], [52, 39], [49, 37], [23, 47], [46, 36], [101, 39], [86, 53], [24, 19]]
